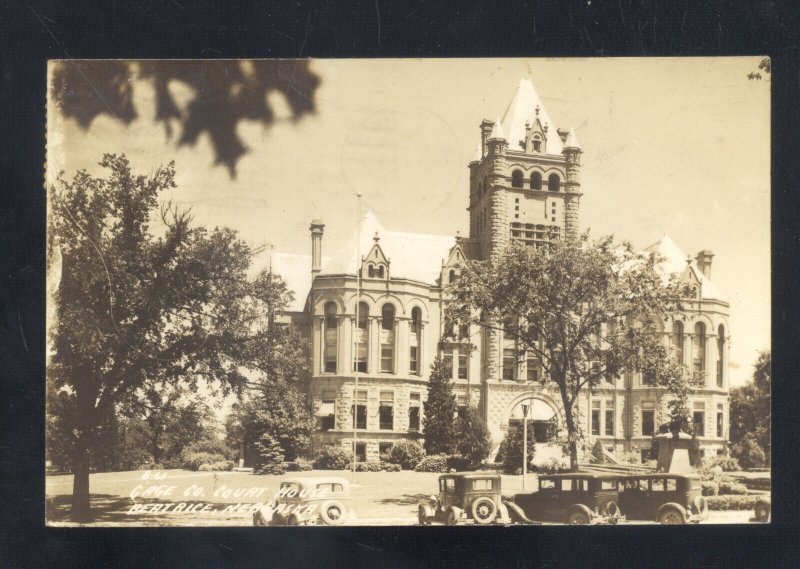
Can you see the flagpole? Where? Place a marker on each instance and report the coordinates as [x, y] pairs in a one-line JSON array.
[[355, 331]]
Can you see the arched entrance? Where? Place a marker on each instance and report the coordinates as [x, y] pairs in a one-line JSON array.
[[545, 423]]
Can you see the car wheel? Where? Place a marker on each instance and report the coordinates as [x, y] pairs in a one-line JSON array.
[[332, 513], [422, 516], [452, 518], [670, 516], [484, 510], [762, 513], [612, 509], [578, 517]]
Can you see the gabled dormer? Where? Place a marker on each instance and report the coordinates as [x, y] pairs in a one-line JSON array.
[[450, 267], [375, 264], [535, 135], [689, 284]]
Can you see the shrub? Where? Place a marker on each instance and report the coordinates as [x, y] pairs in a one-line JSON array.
[[509, 454], [458, 462], [221, 466], [371, 466], [211, 446], [473, 441], [151, 466], [405, 453], [193, 460], [298, 466], [433, 463], [598, 456], [726, 463], [731, 502], [553, 466], [269, 456], [633, 457], [732, 488], [710, 488], [390, 467], [333, 458], [748, 452]]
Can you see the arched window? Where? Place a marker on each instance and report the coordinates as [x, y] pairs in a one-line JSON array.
[[677, 342], [380, 271], [371, 272], [452, 275], [553, 183], [331, 337], [720, 354], [537, 144], [414, 340], [536, 181], [387, 338], [362, 338], [699, 349], [516, 179]]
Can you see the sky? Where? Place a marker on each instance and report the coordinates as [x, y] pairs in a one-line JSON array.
[[674, 145]]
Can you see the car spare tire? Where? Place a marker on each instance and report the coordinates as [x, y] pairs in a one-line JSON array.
[[484, 510], [612, 509], [332, 513]]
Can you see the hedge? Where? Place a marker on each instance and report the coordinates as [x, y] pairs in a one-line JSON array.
[[726, 488], [731, 502]]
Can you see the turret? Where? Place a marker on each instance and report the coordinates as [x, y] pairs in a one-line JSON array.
[[316, 228], [572, 157]]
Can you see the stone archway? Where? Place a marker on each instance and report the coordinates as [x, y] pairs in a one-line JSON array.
[[545, 420]]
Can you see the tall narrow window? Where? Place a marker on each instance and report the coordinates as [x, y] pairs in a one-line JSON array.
[[699, 419], [596, 417], [387, 339], [327, 414], [414, 340], [447, 362], [360, 409], [553, 183], [537, 144], [463, 363], [331, 337], [509, 363], [361, 452], [386, 411], [609, 426], [461, 405], [720, 420], [720, 354], [533, 365], [536, 181], [362, 338], [699, 349], [677, 342], [516, 179], [648, 418], [414, 411], [371, 271]]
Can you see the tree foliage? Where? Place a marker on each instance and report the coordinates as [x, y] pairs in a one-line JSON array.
[[751, 407], [143, 295], [473, 442], [438, 424], [510, 451], [225, 93], [270, 456], [587, 310]]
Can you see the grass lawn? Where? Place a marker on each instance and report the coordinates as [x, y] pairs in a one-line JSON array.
[[382, 495]]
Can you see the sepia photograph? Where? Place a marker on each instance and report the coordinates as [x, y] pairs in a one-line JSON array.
[[394, 292]]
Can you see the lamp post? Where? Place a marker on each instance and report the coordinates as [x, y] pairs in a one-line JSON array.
[[525, 407]]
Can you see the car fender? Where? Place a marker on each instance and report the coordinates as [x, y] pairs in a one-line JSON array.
[[672, 505], [581, 508]]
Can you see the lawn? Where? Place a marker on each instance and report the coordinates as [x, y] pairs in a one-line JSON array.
[[209, 498]]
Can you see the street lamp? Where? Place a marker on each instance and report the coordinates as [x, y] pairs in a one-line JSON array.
[[525, 407]]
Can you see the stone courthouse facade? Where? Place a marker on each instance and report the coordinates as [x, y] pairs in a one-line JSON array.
[[383, 335]]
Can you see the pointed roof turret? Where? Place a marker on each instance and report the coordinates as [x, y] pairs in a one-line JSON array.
[[497, 131], [675, 262], [572, 140], [526, 105]]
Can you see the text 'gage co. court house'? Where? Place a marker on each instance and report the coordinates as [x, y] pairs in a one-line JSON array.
[[525, 185]]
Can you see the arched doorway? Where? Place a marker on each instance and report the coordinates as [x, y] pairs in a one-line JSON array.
[[542, 419]]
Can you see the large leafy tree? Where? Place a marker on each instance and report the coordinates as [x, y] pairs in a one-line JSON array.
[[586, 310], [143, 294], [473, 442], [438, 424], [751, 407]]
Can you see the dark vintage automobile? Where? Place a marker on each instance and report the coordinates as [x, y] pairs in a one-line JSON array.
[[573, 498], [307, 501], [763, 509], [664, 498], [466, 496]]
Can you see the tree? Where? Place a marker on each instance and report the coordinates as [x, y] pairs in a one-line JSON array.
[[438, 424], [269, 456], [586, 310], [510, 451], [472, 437], [751, 407], [134, 303], [748, 452], [225, 93]]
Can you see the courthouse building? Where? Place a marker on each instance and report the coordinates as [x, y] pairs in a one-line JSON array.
[[373, 349]]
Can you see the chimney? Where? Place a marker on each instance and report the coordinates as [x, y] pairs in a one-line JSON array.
[[316, 246], [486, 130], [703, 259]]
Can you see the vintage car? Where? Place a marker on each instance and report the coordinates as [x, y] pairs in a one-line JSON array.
[[763, 509], [306, 501], [664, 498], [465, 496], [573, 498]]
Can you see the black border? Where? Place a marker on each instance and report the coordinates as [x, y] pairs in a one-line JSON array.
[[33, 32]]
